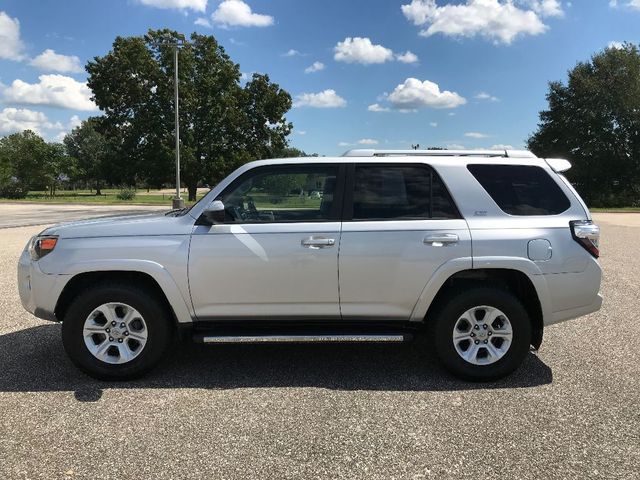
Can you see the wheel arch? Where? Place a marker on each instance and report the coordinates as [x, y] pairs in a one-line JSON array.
[[83, 280], [525, 287]]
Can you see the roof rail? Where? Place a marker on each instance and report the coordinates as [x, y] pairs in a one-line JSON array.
[[369, 152]]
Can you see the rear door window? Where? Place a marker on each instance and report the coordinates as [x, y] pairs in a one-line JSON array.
[[400, 192], [521, 189]]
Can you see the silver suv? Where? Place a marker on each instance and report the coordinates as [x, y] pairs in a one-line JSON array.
[[479, 249]]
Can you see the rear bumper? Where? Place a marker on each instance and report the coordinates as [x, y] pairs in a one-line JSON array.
[[574, 294], [563, 315], [39, 292]]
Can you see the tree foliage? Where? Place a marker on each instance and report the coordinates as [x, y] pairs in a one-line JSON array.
[[27, 162], [594, 121], [222, 123], [90, 150]]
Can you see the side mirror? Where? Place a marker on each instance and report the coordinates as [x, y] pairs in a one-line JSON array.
[[214, 213]]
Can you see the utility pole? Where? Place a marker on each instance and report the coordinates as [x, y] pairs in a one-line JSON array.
[[178, 201]]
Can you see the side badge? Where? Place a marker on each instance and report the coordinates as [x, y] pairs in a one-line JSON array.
[[480, 213]]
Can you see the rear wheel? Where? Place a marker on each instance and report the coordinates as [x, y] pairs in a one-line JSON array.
[[116, 332], [482, 334]]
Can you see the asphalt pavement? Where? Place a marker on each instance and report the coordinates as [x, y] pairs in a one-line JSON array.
[[331, 411], [23, 214]]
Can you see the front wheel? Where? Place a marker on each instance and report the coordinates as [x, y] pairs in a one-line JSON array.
[[115, 332], [482, 334]]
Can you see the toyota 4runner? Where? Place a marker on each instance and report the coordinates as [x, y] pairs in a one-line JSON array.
[[479, 249]]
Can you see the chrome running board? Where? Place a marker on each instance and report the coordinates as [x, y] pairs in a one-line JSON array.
[[362, 338]]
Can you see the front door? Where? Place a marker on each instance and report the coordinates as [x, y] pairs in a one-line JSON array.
[[276, 254], [399, 227]]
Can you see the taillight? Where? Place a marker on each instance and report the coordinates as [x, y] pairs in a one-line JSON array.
[[41, 246], [587, 234]]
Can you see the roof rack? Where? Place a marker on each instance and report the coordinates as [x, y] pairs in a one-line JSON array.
[[369, 152]]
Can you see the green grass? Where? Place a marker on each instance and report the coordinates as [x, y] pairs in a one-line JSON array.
[[108, 197]]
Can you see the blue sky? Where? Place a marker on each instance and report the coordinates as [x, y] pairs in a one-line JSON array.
[[466, 73]]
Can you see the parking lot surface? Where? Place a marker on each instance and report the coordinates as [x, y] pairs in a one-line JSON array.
[[27, 214], [335, 411]]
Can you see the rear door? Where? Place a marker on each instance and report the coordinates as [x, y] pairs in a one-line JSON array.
[[400, 225]]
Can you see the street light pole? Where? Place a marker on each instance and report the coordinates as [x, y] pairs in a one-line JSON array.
[[178, 201]]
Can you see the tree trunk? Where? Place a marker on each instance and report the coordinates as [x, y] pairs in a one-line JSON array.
[[98, 192], [193, 190]]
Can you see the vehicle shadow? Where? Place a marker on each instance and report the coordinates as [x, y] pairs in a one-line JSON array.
[[33, 360]]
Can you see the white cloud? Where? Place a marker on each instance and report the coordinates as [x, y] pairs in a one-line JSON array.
[[361, 50], [544, 8], [236, 13], [325, 99], [616, 45], [51, 61], [364, 51], [486, 96], [54, 90], [634, 4], [301, 132], [367, 141], [74, 122], [196, 5], [501, 147], [315, 67], [292, 52], [14, 120], [407, 57], [476, 135], [434, 124], [11, 46], [499, 20], [414, 94], [344, 144], [377, 108], [203, 22]]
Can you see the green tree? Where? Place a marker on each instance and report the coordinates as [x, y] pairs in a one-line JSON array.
[[221, 122], [57, 166], [22, 157], [90, 150], [594, 121]]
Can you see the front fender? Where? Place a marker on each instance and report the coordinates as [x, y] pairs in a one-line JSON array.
[[182, 307]]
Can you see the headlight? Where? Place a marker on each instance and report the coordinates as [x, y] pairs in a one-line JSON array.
[[41, 246]]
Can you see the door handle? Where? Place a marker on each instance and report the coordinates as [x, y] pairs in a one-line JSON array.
[[441, 239], [316, 243]]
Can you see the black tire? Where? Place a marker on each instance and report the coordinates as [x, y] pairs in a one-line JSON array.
[[158, 325], [451, 309]]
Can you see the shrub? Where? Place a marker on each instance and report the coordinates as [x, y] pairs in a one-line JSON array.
[[126, 193], [13, 189]]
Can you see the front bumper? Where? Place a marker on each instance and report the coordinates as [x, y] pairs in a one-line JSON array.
[[39, 292]]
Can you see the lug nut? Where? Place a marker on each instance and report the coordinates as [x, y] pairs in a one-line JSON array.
[[477, 342], [107, 329], [111, 339], [485, 326], [120, 340], [113, 323], [477, 327], [486, 341], [473, 334], [122, 325], [126, 334], [489, 334]]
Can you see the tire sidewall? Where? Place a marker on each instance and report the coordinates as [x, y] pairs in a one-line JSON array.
[[459, 303], [155, 318]]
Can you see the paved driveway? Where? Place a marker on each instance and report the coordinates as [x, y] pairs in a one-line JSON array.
[[26, 214], [370, 412]]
